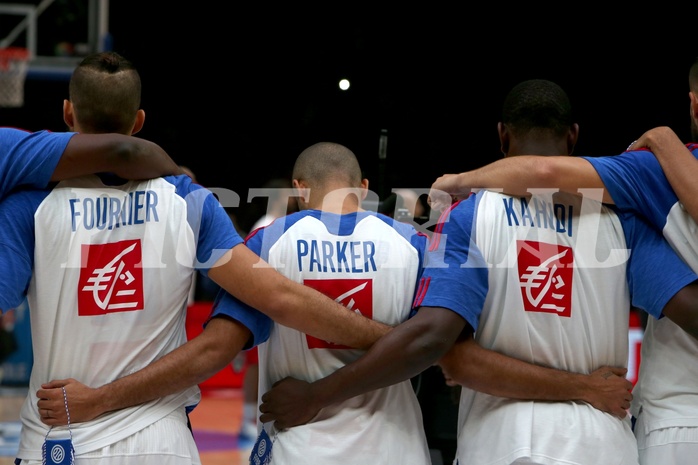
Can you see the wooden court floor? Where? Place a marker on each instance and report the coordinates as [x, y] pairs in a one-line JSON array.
[[215, 421]]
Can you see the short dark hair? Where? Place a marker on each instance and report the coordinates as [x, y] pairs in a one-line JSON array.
[[105, 90], [537, 104]]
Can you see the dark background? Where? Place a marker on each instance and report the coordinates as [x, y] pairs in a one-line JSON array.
[[236, 94]]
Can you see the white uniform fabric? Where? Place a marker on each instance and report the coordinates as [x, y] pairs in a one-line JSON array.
[[559, 292], [666, 393], [371, 264], [176, 446], [108, 270]]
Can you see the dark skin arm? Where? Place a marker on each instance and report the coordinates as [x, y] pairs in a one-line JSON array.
[[414, 345], [404, 352], [126, 156], [682, 309], [292, 402]]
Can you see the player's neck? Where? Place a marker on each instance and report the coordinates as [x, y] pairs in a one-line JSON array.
[[339, 201], [537, 147]]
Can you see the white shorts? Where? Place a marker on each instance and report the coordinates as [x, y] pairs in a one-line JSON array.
[[166, 442], [676, 445]]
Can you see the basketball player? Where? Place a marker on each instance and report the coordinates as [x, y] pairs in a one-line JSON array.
[[543, 279], [660, 187], [107, 265], [372, 264]]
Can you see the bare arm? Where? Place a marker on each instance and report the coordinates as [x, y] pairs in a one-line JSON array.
[[126, 156], [189, 364], [487, 371], [404, 352], [243, 274], [518, 176], [678, 163], [682, 309]]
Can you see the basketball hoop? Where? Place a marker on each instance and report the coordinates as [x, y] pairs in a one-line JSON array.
[[14, 62]]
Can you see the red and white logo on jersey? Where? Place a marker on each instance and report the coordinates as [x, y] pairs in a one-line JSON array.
[[355, 294], [111, 278], [545, 277]]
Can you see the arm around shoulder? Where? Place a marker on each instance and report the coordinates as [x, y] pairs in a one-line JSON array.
[[246, 276], [129, 157], [518, 175]]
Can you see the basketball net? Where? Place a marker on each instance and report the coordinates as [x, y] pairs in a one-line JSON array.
[[14, 62]]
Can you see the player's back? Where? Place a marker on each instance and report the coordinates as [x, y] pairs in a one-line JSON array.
[[558, 296], [557, 269], [113, 265], [370, 264], [110, 267]]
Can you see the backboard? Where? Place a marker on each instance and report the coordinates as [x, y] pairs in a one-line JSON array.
[[57, 33]]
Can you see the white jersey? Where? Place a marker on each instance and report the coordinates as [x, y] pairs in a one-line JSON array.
[[371, 264], [666, 392], [108, 270], [558, 295]]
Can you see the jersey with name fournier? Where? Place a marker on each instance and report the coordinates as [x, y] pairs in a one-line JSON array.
[[107, 271]]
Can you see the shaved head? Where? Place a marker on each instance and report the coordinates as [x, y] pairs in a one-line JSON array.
[[328, 164]]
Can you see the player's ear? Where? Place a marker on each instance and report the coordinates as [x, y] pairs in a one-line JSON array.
[[68, 116], [572, 138], [303, 192], [694, 105], [364, 188], [503, 137], [140, 119]]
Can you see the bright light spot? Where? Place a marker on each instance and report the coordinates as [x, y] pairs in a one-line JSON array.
[[344, 84]]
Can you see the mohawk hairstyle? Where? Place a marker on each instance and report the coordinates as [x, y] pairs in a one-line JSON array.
[[105, 90]]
